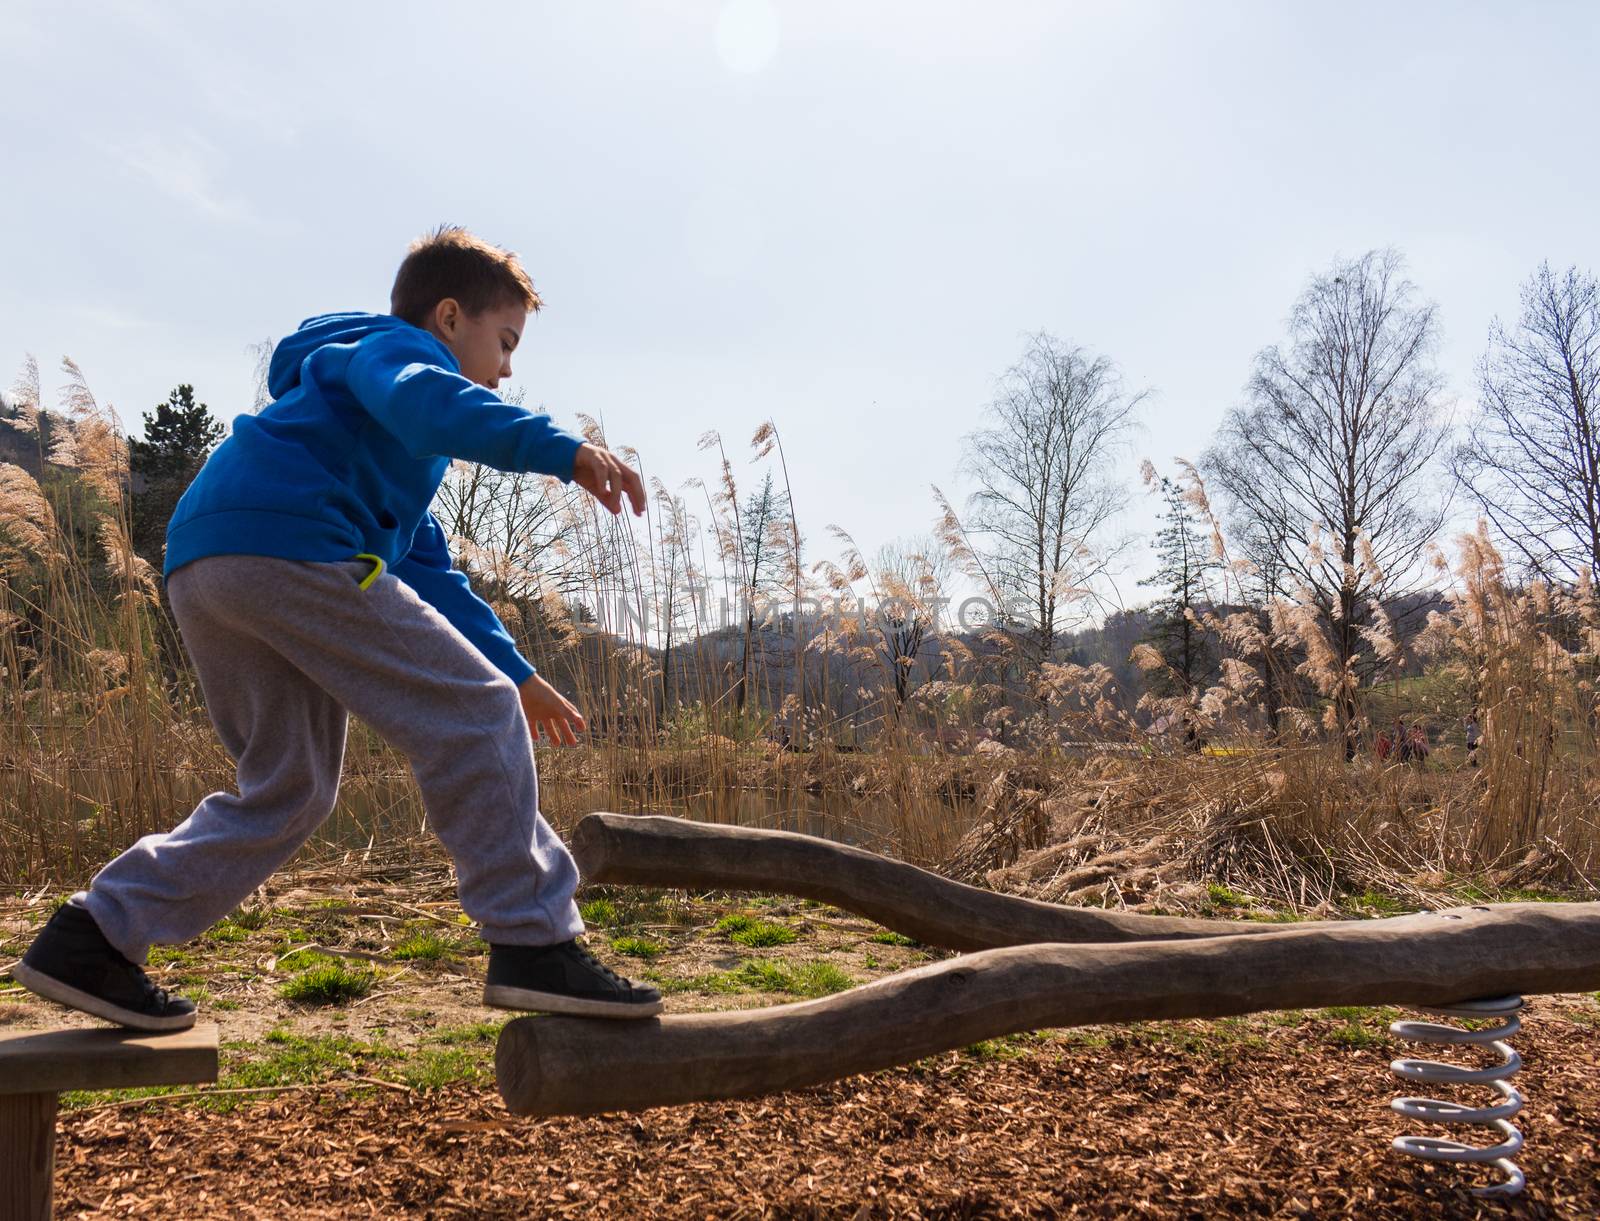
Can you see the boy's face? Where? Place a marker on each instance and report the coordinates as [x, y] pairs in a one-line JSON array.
[[483, 342]]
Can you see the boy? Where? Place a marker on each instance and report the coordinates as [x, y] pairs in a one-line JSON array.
[[307, 577]]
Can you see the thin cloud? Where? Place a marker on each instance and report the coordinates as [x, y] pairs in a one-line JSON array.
[[110, 317], [183, 166]]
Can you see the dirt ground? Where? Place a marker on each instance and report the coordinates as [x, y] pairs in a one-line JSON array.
[[383, 1104]]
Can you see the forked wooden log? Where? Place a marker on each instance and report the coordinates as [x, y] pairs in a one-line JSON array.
[[656, 850], [573, 1066]]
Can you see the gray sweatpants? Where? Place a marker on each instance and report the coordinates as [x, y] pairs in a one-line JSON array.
[[282, 649]]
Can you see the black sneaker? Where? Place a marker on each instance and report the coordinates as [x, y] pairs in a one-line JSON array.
[[71, 962], [563, 978]]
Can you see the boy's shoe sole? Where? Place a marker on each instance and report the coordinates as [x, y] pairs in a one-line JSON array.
[[53, 989], [502, 996]]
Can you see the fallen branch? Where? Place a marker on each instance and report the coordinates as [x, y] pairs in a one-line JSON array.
[[654, 850]]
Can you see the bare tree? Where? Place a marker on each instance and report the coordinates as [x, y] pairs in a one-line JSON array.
[[514, 530], [909, 581], [262, 352], [1531, 460], [1045, 488], [1330, 462], [521, 532]]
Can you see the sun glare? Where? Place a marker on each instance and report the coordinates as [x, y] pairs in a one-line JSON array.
[[747, 35]]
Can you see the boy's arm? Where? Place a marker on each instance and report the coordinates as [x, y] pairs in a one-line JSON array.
[[397, 377], [427, 569]]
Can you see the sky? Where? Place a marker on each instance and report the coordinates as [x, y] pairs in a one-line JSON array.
[[841, 216]]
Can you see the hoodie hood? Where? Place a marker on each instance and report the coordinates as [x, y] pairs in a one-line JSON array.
[[283, 375]]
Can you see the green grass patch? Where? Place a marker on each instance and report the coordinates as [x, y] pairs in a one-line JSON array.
[[281, 1058], [1218, 1039], [328, 983], [764, 933], [296, 1059], [477, 1032], [809, 979], [168, 956], [424, 947], [890, 937], [728, 925], [73, 1099], [638, 947], [1375, 902], [712, 983], [1357, 1037], [1534, 894], [252, 919], [1007, 1047], [433, 1067], [598, 912], [1360, 1013], [1359, 1027], [227, 932], [633, 905], [1218, 895]]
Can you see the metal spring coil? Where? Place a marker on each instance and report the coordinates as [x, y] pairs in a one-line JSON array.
[[1498, 1075]]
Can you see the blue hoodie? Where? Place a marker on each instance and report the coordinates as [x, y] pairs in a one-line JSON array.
[[368, 411]]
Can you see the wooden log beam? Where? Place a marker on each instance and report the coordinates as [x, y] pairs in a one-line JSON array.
[[27, 1156], [35, 1067], [103, 1058], [655, 850], [569, 1066]]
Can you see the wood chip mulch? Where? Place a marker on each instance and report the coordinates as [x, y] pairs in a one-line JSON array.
[[1296, 1128]]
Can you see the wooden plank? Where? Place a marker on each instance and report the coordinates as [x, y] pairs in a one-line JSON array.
[[27, 1156], [105, 1059], [655, 850], [564, 1066]]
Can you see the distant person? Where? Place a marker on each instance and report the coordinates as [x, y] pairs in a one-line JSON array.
[[308, 578], [1383, 745], [1192, 739], [1400, 737], [1417, 747], [1474, 736]]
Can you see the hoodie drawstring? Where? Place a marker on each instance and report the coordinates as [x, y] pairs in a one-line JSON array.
[[377, 568]]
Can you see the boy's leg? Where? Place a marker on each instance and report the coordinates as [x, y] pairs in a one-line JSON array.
[[398, 664], [287, 736]]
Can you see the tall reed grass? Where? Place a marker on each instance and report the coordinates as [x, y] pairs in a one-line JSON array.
[[868, 722]]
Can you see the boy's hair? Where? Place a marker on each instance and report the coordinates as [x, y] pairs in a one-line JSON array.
[[450, 262]]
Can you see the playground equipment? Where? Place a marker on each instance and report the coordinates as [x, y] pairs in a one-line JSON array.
[[1434, 1110], [1036, 965], [653, 850], [35, 1068]]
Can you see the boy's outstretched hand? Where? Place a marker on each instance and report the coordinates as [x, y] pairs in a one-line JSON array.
[[550, 711], [606, 477]]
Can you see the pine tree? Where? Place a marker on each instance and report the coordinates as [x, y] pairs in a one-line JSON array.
[[1186, 562], [177, 439], [759, 556]]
